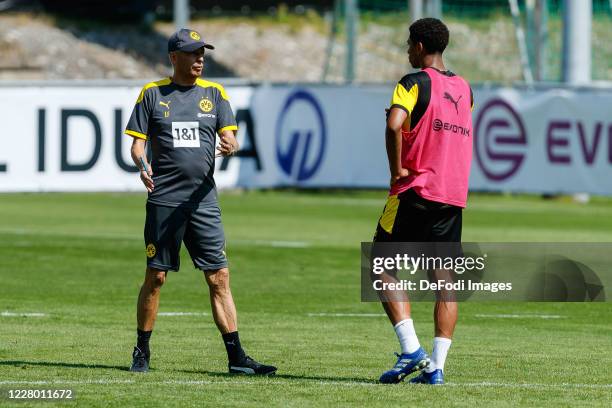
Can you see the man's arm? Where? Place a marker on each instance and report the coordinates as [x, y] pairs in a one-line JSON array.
[[228, 145], [226, 126], [140, 159], [393, 136]]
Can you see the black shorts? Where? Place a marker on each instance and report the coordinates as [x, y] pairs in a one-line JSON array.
[[200, 229], [408, 217]]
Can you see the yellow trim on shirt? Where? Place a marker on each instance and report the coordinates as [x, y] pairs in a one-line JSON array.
[[230, 127], [207, 84], [133, 133], [404, 98], [161, 82]]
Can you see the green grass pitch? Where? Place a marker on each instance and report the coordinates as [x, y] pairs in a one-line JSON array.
[[294, 259]]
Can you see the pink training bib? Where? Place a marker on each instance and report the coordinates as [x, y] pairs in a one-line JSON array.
[[438, 150]]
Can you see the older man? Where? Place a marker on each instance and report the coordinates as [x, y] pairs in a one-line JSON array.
[[181, 117]]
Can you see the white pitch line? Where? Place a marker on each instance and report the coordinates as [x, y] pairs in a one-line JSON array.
[[117, 381], [498, 316], [345, 314], [133, 237], [274, 244], [351, 202], [76, 382], [281, 381], [529, 385], [182, 314], [70, 234], [520, 316], [288, 244], [16, 314], [494, 316]]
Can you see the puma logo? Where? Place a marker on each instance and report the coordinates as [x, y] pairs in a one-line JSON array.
[[231, 343], [167, 105], [450, 98]]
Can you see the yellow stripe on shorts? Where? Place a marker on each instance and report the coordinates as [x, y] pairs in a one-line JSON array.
[[389, 213]]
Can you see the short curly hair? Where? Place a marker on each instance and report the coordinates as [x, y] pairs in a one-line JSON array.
[[431, 32]]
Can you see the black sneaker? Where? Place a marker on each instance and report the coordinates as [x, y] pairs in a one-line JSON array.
[[251, 367], [140, 361]]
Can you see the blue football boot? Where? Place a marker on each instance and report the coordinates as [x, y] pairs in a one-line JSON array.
[[406, 364], [436, 377]]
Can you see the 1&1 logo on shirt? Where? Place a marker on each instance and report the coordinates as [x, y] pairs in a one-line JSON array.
[[186, 134]]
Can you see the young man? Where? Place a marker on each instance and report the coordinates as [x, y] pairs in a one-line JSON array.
[[429, 147], [181, 116]]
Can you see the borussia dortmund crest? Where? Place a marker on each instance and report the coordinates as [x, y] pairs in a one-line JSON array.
[[151, 251], [206, 105]]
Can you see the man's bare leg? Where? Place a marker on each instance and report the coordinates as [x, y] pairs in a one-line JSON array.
[[397, 311], [399, 315], [445, 318], [146, 313], [224, 314], [395, 303], [397, 307], [221, 300], [148, 298]]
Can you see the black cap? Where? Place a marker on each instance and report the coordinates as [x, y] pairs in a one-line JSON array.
[[187, 40]]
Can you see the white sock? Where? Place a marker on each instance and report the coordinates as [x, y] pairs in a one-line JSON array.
[[438, 355], [407, 336]]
